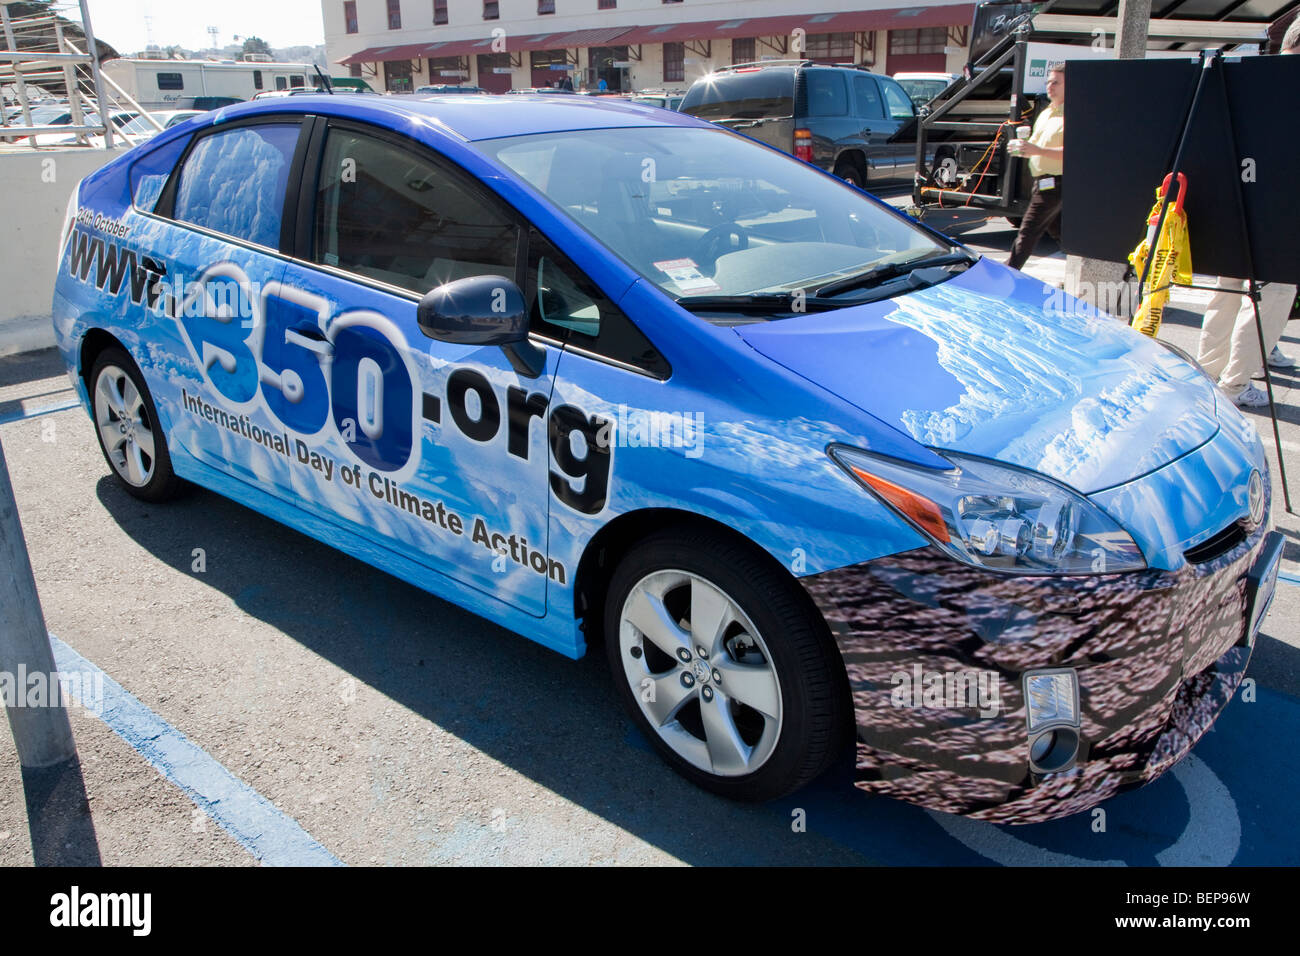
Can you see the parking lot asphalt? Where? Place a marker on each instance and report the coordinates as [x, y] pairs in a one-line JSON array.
[[383, 726]]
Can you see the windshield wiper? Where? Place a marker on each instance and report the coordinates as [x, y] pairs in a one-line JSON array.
[[779, 302], [882, 273]]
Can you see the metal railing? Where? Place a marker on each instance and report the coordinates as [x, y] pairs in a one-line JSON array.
[[40, 65]]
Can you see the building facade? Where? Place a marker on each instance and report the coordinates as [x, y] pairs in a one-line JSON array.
[[626, 45]]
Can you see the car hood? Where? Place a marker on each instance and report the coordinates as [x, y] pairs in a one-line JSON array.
[[995, 363]]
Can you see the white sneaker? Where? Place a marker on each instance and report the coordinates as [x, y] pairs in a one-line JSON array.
[[1249, 397], [1278, 360]]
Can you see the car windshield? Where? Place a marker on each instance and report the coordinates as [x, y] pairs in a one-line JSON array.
[[709, 212]]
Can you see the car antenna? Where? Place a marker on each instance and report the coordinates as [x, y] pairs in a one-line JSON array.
[[325, 80]]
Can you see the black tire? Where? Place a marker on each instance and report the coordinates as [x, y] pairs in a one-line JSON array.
[[160, 482], [814, 699], [850, 173]]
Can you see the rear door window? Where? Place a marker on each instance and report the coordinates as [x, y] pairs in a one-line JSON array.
[[746, 94], [826, 93], [233, 182]]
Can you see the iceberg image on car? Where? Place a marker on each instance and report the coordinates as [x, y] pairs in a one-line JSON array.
[[812, 476]]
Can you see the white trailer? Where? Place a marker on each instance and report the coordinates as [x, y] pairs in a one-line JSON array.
[[198, 84]]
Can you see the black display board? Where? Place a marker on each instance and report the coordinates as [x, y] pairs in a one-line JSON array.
[[1123, 119]]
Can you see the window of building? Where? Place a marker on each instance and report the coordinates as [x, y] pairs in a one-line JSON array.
[[394, 14], [742, 50], [350, 16], [827, 46], [281, 82], [171, 81], [606, 4], [403, 221], [297, 82], [491, 10], [354, 70], [545, 6], [233, 182], [927, 40], [439, 12], [257, 79], [674, 62], [446, 69]]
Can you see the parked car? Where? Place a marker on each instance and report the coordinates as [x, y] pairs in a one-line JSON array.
[[667, 101], [857, 124], [923, 87], [781, 453], [120, 119], [443, 89]]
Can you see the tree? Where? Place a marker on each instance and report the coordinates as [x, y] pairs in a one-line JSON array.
[[43, 38], [256, 45]]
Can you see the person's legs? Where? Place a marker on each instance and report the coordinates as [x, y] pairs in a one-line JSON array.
[[1215, 346], [1044, 209], [1244, 361]]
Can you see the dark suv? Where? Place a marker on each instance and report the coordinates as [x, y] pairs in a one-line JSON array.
[[857, 124]]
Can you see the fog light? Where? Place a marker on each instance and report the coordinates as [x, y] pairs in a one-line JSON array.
[[1051, 699]]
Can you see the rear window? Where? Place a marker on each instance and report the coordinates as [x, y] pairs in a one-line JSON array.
[[233, 182], [744, 95]]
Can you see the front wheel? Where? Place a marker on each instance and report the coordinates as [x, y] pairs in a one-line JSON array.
[[724, 665], [126, 423]]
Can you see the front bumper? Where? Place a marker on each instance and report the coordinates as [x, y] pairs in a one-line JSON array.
[[1157, 653]]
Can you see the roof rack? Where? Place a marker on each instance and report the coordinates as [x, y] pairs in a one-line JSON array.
[[758, 63], [795, 63]]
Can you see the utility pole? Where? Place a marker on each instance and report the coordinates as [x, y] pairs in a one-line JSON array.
[[43, 735], [1098, 281]]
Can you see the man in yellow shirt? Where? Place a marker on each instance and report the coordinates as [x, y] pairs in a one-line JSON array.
[[1045, 150]]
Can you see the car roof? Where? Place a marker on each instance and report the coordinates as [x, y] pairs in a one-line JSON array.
[[474, 117]]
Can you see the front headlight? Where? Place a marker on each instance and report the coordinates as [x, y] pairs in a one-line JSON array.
[[997, 517]]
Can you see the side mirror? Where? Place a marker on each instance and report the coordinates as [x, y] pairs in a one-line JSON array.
[[482, 310], [478, 310]]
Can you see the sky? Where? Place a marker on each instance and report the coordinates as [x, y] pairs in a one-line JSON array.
[[184, 22]]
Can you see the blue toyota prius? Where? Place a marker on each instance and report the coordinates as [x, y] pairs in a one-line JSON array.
[[807, 471]]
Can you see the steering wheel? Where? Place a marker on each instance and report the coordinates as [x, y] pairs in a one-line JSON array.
[[717, 242]]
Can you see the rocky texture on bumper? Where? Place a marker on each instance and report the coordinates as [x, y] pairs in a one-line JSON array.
[[1158, 654]]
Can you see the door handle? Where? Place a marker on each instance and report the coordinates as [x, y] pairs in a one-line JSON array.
[[311, 339]]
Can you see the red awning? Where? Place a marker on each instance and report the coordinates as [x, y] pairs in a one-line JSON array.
[[457, 47], [379, 54]]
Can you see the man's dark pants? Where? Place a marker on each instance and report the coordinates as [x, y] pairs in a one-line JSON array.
[[1042, 216]]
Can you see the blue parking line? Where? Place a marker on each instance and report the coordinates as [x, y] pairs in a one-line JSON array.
[[1288, 578], [274, 837], [19, 416]]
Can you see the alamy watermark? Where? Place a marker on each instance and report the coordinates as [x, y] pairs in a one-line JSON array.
[[25, 688], [967, 689]]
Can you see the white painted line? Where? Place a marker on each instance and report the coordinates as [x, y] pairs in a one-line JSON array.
[[271, 835], [41, 410]]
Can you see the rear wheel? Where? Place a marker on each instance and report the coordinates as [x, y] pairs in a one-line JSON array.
[[126, 423], [723, 666], [850, 173]]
